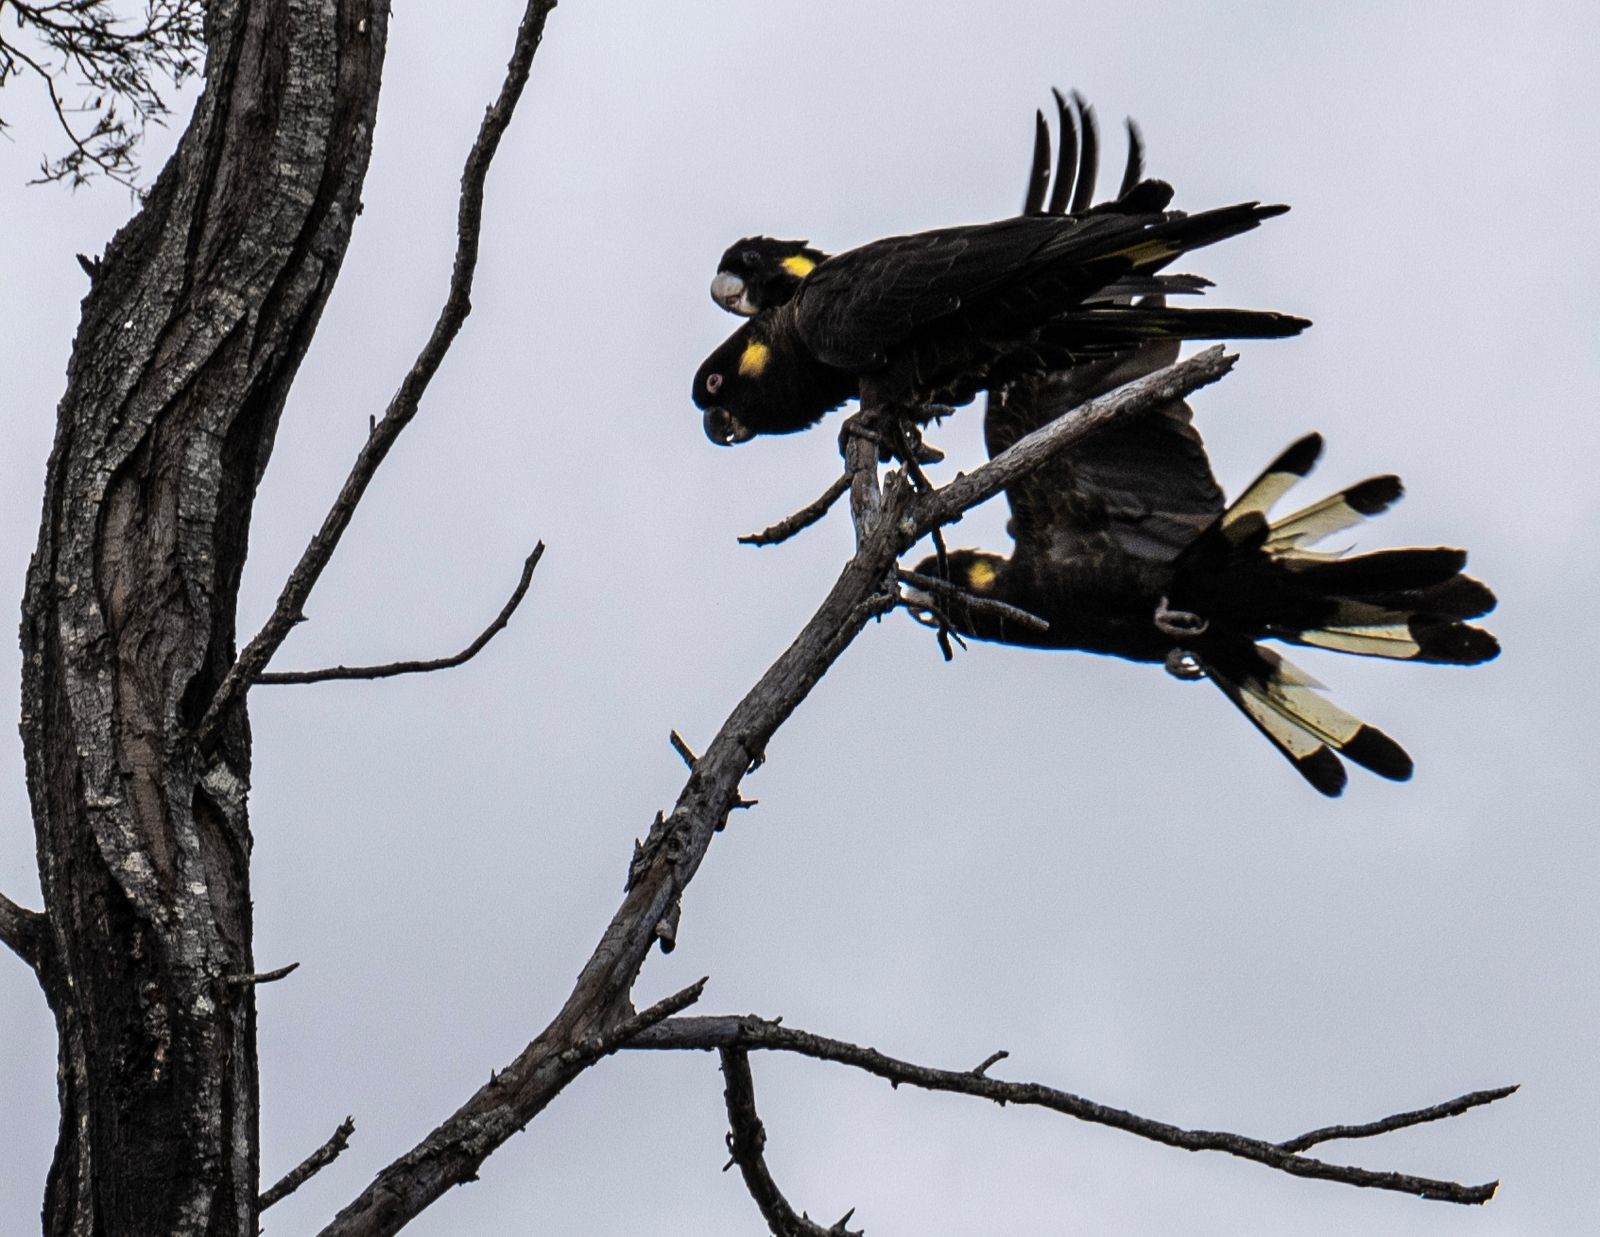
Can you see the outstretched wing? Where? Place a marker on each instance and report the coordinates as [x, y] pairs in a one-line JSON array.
[[1141, 487]]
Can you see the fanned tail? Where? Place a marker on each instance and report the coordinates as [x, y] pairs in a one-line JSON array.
[[1408, 604], [1251, 577], [1285, 705]]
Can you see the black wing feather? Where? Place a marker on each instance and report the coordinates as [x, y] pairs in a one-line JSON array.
[[1135, 167], [1141, 487], [1066, 157], [1039, 173], [1083, 194]]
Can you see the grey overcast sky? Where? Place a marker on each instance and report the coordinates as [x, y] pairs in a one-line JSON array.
[[1090, 864]]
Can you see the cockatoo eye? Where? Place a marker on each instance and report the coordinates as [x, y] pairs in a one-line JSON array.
[[713, 383]]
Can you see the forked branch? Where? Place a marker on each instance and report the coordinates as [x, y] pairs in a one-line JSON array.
[[390, 669], [290, 608], [750, 1034], [889, 521]]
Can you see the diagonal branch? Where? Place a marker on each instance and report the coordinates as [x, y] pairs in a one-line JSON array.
[[403, 406], [390, 669], [747, 1142], [733, 1031], [803, 518], [1399, 1121], [594, 1047], [309, 1167], [889, 520], [23, 932], [946, 504]]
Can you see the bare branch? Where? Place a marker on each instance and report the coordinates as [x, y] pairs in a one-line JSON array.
[[860, 441], [310, 1166], [390, 669], [889, 520], [685, 752], [967, 490], [403, 406], [801, 519], [597, 1046], [1399, 1121], [262, 977], [747, 1141], [994, 1058], [752, 1033], [23, 932], [974, 603]]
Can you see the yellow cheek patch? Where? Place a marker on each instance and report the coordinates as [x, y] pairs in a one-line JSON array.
[[980, 577], [799, 265], [754, 359]]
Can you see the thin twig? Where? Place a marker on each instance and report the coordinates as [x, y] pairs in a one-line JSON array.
[[801, 519], [264, 977], [22, 931], [597, 1046], [1399, 1121], [390, 669], [685, 752], [733, 1031], [994, 1058], [940, 618], [978, 605], [290, 608], [310, 1166], [967, 490], [747, 1141]]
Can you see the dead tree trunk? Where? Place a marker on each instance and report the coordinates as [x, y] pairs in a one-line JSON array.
[[201, 311]]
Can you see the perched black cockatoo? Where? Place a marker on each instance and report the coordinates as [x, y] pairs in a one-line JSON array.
[[762, 272]]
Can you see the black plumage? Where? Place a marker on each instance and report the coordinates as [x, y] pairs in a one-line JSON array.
[[762, 272], [1124, 546], [937, 316], [908, 300], [1077, 160]]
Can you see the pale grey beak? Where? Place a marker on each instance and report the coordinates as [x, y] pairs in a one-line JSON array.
[[728, 291]]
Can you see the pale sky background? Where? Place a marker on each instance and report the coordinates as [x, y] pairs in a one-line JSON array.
[[1090, 864]]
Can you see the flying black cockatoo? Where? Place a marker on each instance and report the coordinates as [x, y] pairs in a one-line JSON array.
[[1123, 545]]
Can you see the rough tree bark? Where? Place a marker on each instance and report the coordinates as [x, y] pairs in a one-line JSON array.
[[201, 311]]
